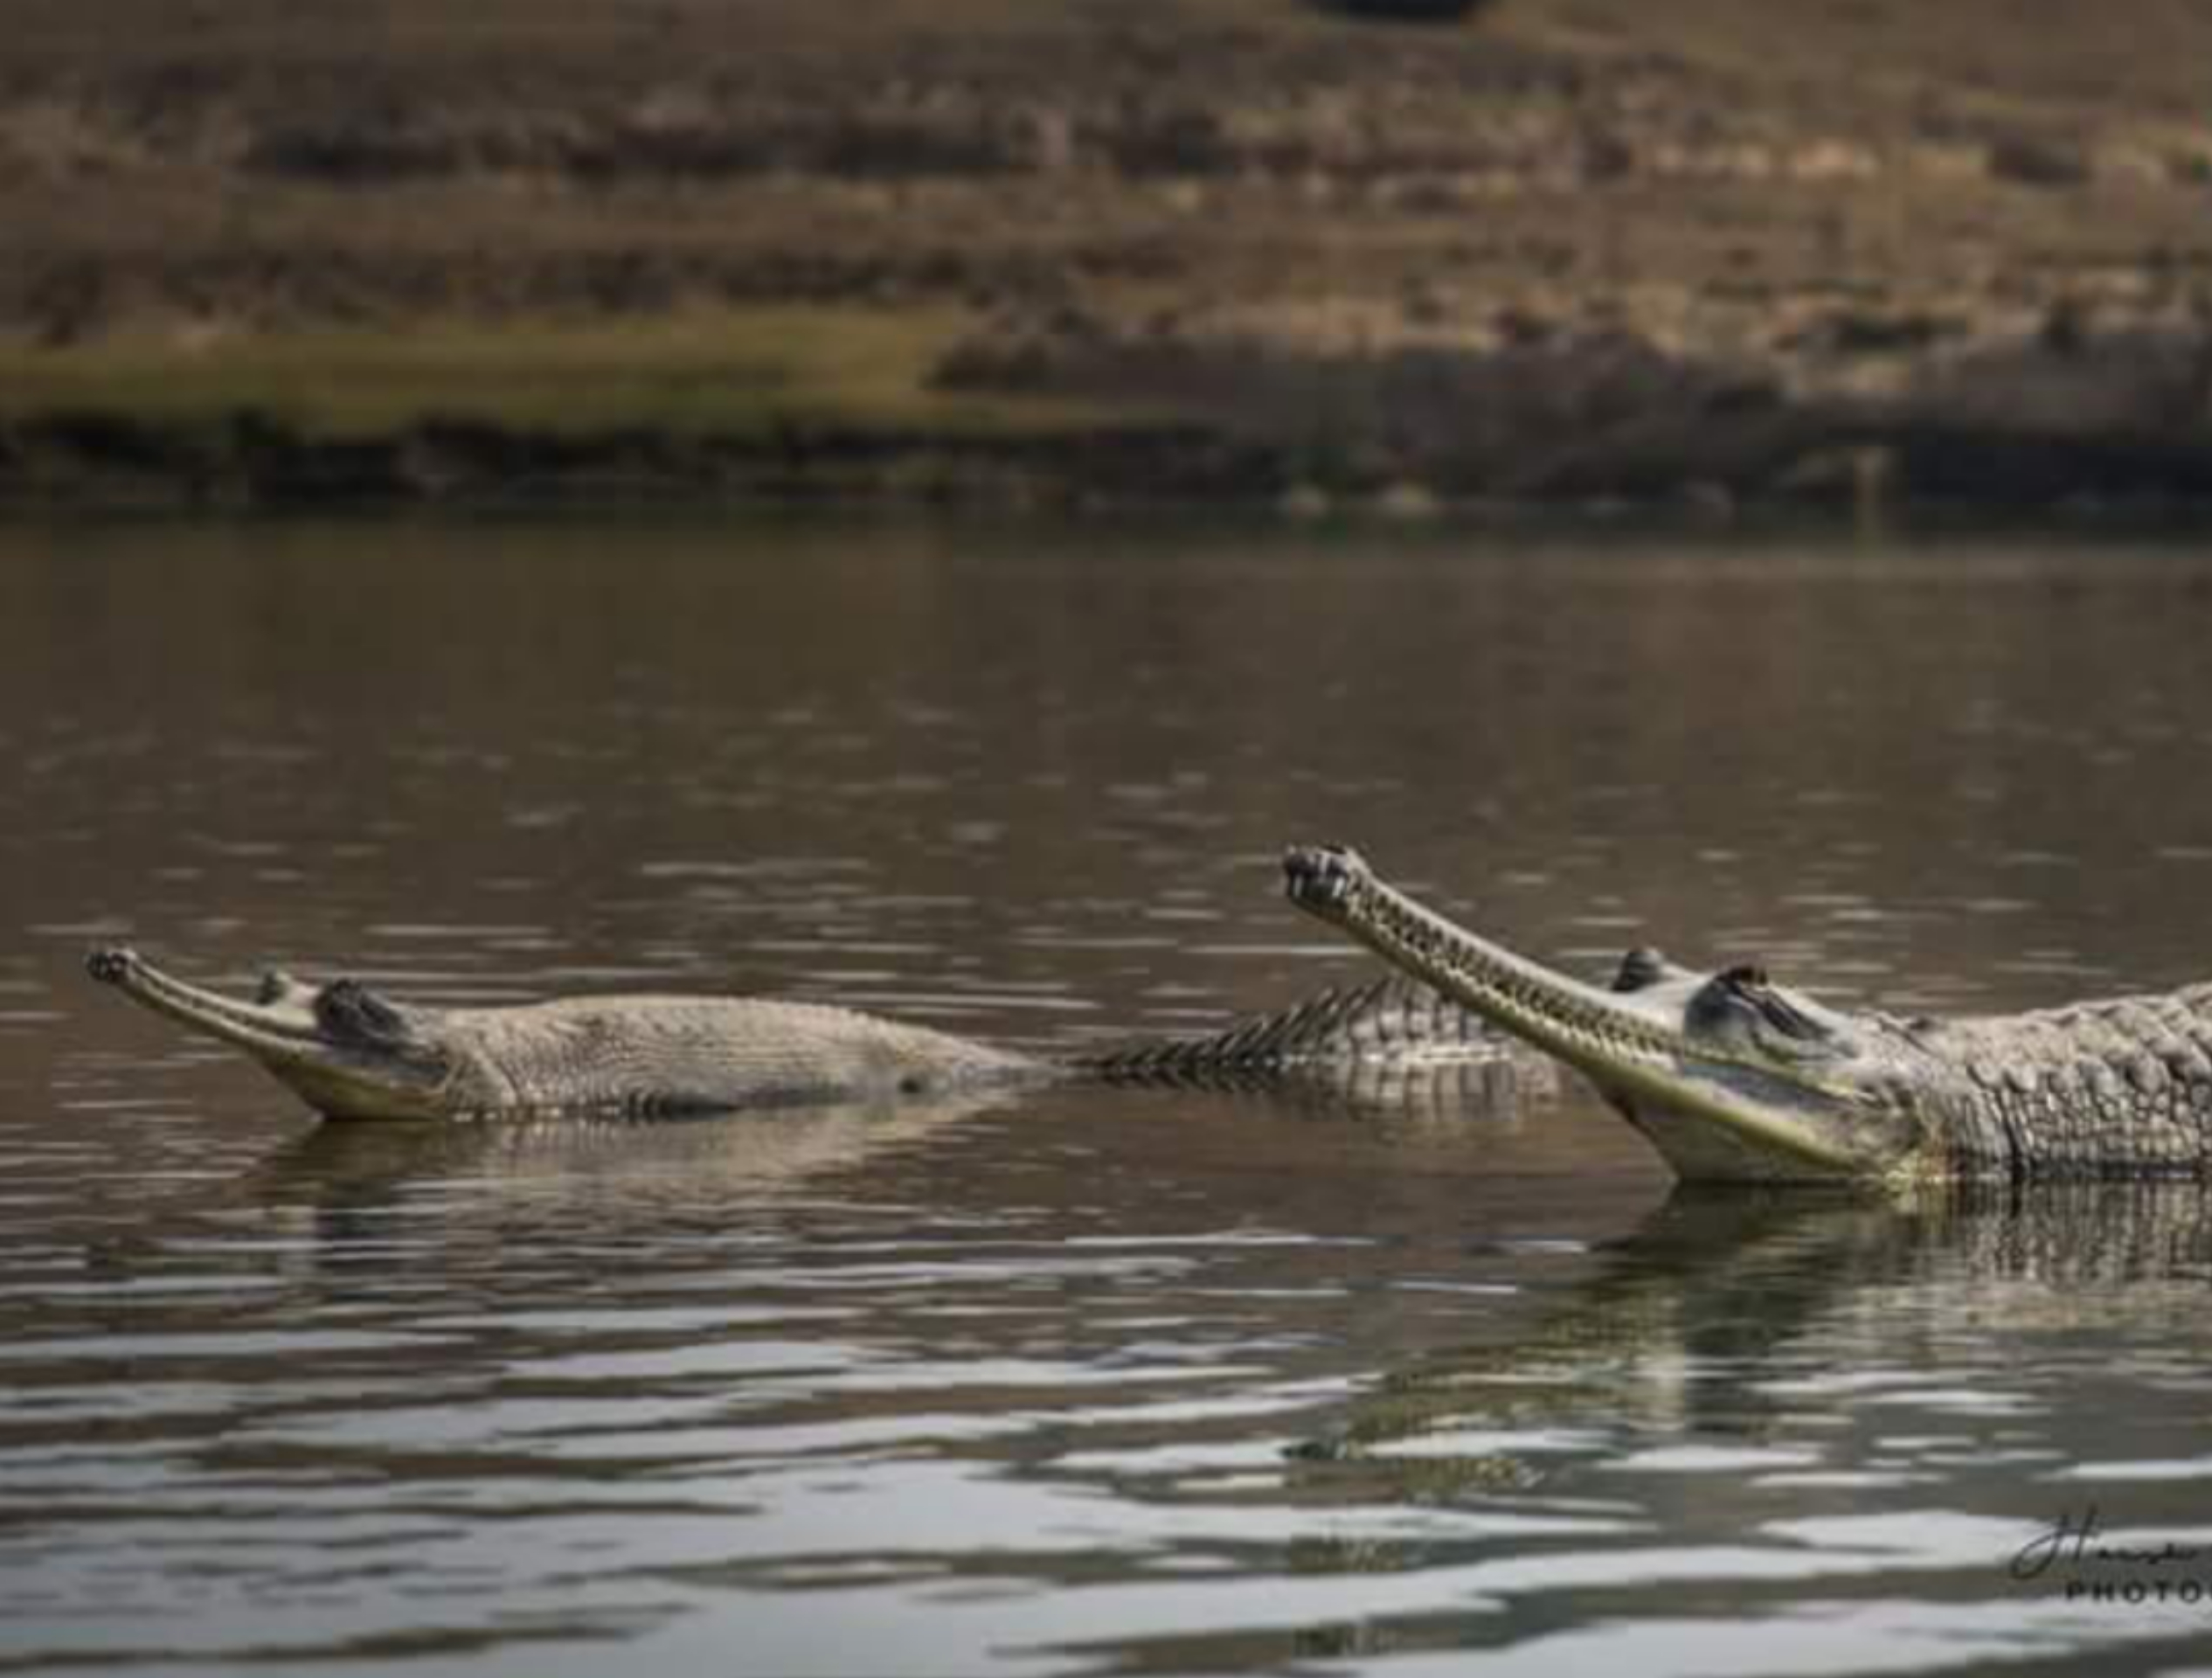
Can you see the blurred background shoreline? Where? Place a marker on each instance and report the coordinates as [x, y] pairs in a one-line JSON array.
[[1707, 254]]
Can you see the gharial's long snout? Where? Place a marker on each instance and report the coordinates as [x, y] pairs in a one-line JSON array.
[[1579, 1023], [267, 1028], [310, 1040], [1713, 1105]]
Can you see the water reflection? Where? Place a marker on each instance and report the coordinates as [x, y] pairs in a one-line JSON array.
[[1091, 1380], [1784, 1396], [1722, 1312], [336, 1165], [354, 1185], [789, 1385]]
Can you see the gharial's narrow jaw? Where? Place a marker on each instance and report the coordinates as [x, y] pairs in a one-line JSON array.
[[1731, 1078], [342, 1050]]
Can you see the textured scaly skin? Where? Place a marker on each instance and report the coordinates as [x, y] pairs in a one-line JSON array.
[[2118, 1087], [353, 1054], [658, 1055], [1387, 1021], [655, 1055]]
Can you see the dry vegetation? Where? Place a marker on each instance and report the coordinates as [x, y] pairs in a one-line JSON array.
[[1567, 247]]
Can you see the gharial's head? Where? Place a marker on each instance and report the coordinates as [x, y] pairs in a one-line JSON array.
[[1732, 1076], [342, 1048]]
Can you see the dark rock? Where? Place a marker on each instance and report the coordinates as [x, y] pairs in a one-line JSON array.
[[1404, 12], [2028, 161]]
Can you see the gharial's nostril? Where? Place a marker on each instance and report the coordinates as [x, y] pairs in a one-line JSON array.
[[111, 964]]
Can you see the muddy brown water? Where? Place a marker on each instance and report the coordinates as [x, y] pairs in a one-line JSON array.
[[1080, 1380]]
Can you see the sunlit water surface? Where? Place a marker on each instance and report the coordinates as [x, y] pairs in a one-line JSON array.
[[1084, 1380]]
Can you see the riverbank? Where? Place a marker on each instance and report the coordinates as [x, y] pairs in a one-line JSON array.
[[1569, 252]]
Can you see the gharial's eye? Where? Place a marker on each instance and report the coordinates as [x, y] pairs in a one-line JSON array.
[[348, 1011], [1784, 1016], [1744, 997]]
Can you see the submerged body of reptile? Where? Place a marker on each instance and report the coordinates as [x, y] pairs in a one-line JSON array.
[[1734, 1077], [353, 1053]]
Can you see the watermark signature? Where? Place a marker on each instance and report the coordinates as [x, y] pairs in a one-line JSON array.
[[2075, 1553]]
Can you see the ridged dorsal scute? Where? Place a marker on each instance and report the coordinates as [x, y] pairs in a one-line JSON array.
[[1388, 1019]]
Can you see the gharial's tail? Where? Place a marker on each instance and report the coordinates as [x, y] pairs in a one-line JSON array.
[[1387, 1022]]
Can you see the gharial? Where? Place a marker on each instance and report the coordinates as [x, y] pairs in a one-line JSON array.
[[353, 1053], [1733, 1077]]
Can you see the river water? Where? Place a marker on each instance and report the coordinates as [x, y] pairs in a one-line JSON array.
[[1085, 1381]]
